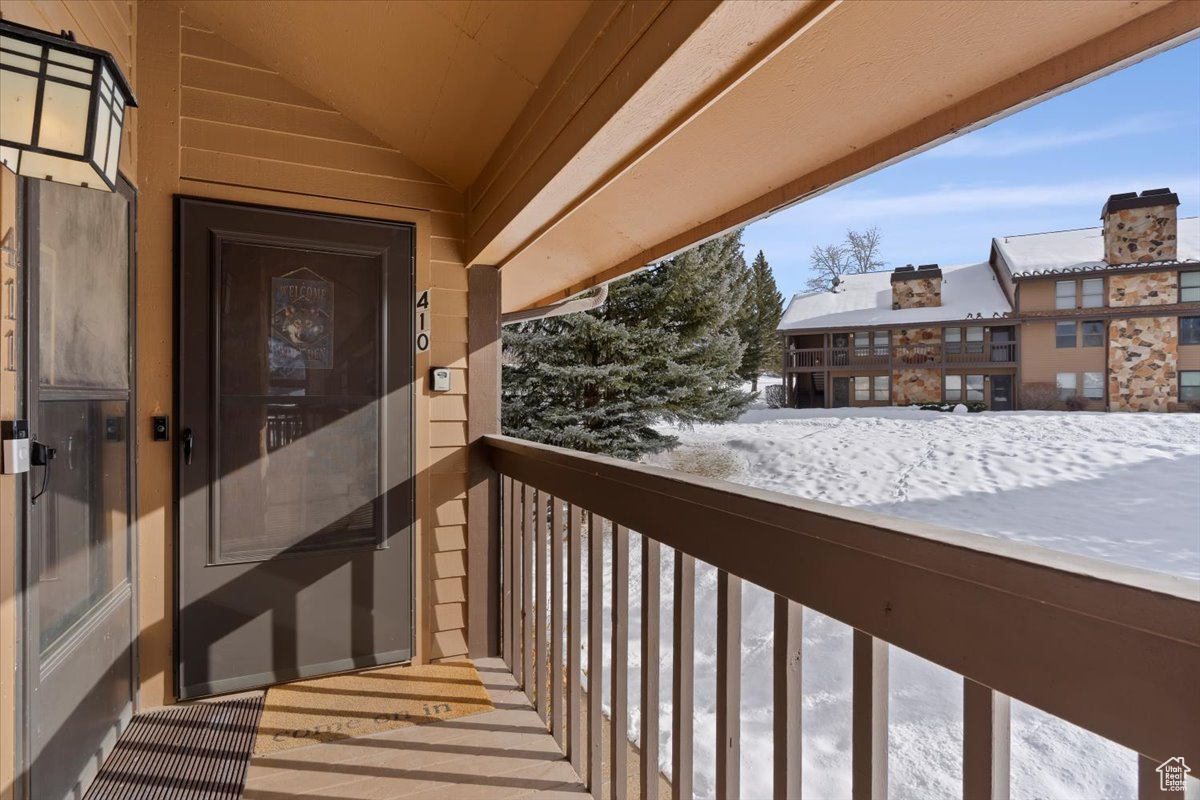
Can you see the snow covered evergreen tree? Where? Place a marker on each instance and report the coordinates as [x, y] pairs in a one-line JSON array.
[[663, 348], [759, 316]]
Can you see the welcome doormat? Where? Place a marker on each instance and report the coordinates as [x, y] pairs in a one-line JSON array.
[[371, 701]]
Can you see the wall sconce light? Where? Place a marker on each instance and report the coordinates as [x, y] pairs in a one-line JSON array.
[[61, 108]]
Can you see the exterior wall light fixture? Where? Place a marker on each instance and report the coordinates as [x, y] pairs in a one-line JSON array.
[[62, 105]]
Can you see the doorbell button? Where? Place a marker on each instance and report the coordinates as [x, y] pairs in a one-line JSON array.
[[14, 454], [160, 430]]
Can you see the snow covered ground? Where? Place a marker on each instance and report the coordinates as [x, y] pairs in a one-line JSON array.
[[1123, 487]]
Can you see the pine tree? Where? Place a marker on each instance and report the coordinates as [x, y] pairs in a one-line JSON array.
[[663, 348], [759, 317]]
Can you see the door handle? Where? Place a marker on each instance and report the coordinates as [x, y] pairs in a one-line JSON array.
[[188, 444], [40, 456]]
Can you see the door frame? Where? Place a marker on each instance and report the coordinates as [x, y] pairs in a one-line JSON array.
[[415, 528], [28, 364]]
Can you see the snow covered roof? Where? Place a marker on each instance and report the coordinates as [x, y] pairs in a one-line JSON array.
[[968, 290], [1082, 248]]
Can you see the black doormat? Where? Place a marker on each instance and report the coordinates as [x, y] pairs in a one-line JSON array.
[[198, 751]]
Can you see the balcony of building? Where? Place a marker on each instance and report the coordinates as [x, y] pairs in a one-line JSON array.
[[931, 356]]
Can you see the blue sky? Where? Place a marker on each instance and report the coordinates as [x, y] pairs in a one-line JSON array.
[[1049, 167]]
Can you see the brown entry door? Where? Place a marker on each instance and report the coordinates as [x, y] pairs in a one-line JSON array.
[[294, 447]]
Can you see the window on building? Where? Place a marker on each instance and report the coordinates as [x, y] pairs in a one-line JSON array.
[[1064, 334], [1189, 329], [881, 343], [881, 388], [954, 388], [1093, 385], [1065, 381], [975, 339], [1064, 294], [974, 388], [1093, 292], [1093, 333], [1189, 287], [862, 343], [952, 339], [862, 389], [1189, 386]]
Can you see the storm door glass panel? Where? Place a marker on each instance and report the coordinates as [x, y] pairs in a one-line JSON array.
[[84, 286], [83, 515], [299, 375]]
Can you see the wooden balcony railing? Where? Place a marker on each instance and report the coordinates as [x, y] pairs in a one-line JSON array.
[[1113, 649], [899, 356]]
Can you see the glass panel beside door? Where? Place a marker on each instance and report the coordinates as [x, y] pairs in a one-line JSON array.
[[77, 522]]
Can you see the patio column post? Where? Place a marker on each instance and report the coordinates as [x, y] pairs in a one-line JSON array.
[[483, 485]]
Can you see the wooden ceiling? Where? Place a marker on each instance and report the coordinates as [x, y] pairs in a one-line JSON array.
[[591, 138], [440, 80]]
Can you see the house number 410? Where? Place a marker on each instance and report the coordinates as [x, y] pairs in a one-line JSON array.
[[422, 332]]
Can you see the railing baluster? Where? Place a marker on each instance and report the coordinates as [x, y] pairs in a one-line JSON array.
[[539, 616], [789, 630], [556, 620], [870, 715], [729, 685], [529, 526], [619, 746], [574, 604], [682, 676], [651, 588], [985, 742], [506, 592], [595, 650]]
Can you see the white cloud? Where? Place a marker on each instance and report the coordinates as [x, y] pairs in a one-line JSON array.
[[849, 206], [986, 144]]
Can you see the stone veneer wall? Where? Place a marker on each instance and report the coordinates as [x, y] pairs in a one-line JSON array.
[[911, 386], [906, 336], [1143, 289], [1140, 234], [917, 293], [1143, 355]]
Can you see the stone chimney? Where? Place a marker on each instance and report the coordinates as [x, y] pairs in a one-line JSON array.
[[917, 287], [1140, 227]]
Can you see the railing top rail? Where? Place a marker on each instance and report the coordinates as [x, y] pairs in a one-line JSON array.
[[1088, 640], [907, 535]]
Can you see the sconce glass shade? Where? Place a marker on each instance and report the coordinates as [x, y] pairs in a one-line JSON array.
[[62, 105]]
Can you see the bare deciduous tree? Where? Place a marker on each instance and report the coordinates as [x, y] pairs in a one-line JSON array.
[[864, 249], [857, 254]]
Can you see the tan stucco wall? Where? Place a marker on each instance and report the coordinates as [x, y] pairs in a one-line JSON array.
[[1041, 360], [1143, 364], [1189, 356], [1143, 289]]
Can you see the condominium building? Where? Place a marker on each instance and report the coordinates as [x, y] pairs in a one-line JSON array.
[[1108, 315]]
